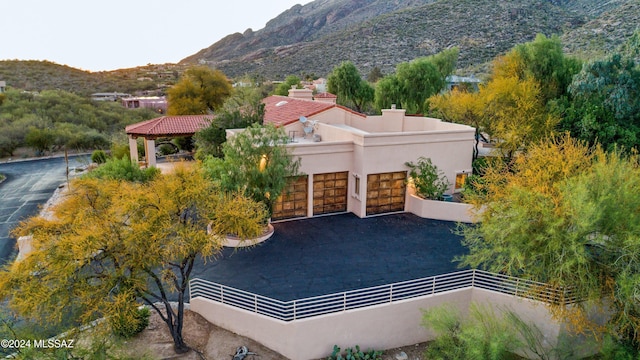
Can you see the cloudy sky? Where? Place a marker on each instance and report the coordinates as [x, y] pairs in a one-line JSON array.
[[116, 34]]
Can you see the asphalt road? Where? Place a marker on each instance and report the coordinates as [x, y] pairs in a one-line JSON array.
[[28, 186]]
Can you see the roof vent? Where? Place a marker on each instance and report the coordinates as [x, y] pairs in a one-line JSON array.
[[281, 103]]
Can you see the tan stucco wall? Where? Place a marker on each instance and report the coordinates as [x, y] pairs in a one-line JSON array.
[[439, 210], [380, 327]]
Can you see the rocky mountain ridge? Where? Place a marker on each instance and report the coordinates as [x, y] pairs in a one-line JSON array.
[[315, 37]]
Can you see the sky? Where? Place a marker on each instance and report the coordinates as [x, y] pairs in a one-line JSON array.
[[118, 34]]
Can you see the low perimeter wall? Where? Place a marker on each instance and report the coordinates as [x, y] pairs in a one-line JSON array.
[[385, 326], [439, 210]]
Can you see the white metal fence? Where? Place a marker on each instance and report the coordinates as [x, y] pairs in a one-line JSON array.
[[337, 302]]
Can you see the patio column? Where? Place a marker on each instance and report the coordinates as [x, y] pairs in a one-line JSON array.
[[150, 152], [133, 149]]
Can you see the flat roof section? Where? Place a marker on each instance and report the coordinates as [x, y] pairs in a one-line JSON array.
[[330, 254]]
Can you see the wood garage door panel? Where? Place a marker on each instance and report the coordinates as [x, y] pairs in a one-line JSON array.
[[292, 203], [386, 192], [330, 192]]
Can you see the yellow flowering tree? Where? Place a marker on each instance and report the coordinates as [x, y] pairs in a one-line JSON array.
[[112, 245]]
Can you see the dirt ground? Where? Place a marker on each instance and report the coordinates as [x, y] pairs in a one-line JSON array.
[[215, 343]]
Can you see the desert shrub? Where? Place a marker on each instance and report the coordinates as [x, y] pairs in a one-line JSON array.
[[126, 327], [123, 169], [167, 149], [120, 150], [99, 157], [354, 354]]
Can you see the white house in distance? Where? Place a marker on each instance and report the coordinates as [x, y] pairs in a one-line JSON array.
[[356, 163]]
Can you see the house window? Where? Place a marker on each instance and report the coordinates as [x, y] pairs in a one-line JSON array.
[[356, 186], [461, 179]]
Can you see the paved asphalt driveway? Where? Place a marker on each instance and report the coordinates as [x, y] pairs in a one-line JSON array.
[[29, 185], [337, 253]]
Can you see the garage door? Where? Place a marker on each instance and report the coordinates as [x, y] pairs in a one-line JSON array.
[[386, 192], [292, 203], [330, 193]]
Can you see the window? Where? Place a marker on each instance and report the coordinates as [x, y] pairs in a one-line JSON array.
[[461, 178]]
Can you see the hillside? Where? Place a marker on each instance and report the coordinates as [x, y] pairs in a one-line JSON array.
[[316, 37], [34, 75], [313, 38]]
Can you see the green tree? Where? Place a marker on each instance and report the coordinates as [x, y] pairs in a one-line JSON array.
[[41, 140], [566, 214], [543, 60], [112, 244], [374, 75], [243, 108], [345, 82], [388, 92], [283, 88], [414, 82], [201, 90], [256, 162], [605, 105]]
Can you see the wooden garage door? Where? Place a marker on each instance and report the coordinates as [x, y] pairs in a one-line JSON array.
[[292, 203], [386, 192], [330, 193]]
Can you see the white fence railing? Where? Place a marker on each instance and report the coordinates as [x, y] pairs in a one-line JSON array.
[[337, 302]]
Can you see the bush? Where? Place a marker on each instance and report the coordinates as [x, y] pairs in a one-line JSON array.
[[99, 157], [123, 169], [429, 182], [120, 150], [167, 149], [125, 327], [354, 354]]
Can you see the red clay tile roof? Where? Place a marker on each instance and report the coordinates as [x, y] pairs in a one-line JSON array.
[[169, 126], [283, 110]]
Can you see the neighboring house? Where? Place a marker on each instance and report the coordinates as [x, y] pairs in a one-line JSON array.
[[356, 163], [3, 86], [108, 96], [455, 81], [156, 103]]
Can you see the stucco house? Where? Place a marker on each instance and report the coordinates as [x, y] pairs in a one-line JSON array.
[[356, 163]]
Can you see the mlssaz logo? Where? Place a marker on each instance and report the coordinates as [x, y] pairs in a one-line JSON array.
[[53, 344]]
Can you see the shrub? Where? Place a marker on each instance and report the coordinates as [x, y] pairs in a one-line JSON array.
[[120, 150], [429, 182], [99, 157], [167, 149], [354, 354], [124, 327], [123, 169]]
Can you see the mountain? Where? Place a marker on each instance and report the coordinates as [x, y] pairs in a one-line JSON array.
[[32, 75], [313, 38]]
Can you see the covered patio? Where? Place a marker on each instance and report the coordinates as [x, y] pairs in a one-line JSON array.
[[162, 127]]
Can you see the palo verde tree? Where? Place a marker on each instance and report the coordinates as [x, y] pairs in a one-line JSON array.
[[113, 244], [256, 162], [566, 214], [346, 82], [462, 107], [200, 90]]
